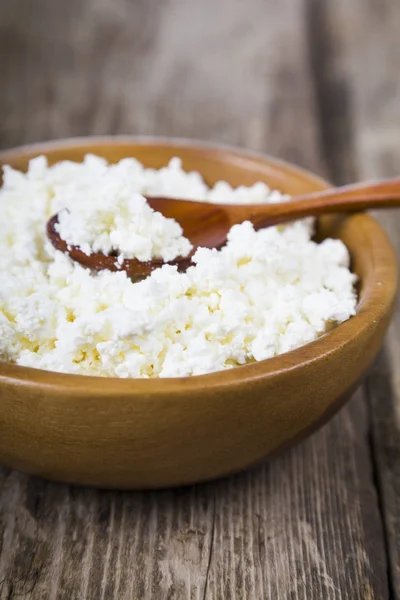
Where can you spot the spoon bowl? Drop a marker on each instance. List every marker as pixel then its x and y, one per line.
pixel 98 261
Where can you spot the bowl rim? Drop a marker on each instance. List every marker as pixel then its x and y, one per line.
pixel 377 298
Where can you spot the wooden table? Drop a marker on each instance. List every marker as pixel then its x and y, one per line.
pixel 313 81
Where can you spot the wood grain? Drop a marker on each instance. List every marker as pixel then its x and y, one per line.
pixel 307 524
pixel 366 39
pixel 302 526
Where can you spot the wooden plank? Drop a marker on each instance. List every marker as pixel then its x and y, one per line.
pixel 302 526
pixel 365 73
pixel 384 400
pixel 305 525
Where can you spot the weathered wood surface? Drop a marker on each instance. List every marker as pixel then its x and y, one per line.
pixel 313 81
pixel 366 66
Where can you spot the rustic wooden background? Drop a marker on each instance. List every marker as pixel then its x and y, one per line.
pixel 313 81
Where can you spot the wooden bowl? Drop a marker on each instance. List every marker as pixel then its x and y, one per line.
pixel 164 432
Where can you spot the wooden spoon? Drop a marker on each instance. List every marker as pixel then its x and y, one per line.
pixel 207 225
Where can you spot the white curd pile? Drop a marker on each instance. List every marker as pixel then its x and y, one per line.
pixel 263 294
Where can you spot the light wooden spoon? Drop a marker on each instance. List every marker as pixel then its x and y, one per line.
pixel 207 225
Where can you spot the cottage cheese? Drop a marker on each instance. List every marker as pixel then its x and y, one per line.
pixel 116 219
pixel 265 293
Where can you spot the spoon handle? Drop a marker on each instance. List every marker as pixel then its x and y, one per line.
pixel 349 198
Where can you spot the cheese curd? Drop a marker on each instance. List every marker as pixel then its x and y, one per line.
pixel 116 219
pixel 263 294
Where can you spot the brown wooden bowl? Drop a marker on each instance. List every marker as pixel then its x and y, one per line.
pixel 164 432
